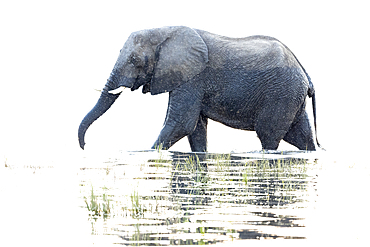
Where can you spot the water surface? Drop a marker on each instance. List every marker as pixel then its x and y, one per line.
pixel 171 198
pixel 179 198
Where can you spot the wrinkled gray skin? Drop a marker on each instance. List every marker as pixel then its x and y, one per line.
pixel 254 83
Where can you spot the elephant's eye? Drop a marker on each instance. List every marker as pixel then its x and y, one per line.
pixel 136 61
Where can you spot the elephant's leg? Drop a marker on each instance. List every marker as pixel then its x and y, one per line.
pixel 170 134
pixel 300 134
pixel 182 115
pixel 198 139
pixel 272 124
pixel 270 137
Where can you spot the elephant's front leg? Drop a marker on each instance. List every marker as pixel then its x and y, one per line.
pixel 198 139
pixel 182 115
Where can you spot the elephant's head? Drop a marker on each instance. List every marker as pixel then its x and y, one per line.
pixel 157 59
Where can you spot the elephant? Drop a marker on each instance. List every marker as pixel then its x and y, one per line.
pixel 254 83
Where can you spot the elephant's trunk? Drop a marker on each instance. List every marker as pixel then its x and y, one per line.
pixel 104 103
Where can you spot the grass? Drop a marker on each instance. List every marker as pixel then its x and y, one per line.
pixel 137 208
pixel 101 205
pixel 222 161
pixel 160 160
pixel 279 179
pixel 97 208
pixel 192 163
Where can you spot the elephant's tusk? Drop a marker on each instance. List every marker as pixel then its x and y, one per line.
pixel 117 90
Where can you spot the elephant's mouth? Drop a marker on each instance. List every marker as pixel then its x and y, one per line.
pixel 116 85
pixel 115 81
pixel 143 81
pixel 127 82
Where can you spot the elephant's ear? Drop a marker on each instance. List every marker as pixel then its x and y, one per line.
pixel 181 54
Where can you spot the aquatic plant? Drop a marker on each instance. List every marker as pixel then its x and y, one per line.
pixel 161 157
pixel 246 177
pixel 97 208
pixel 137 208
pixel 274 182
pixel 192 162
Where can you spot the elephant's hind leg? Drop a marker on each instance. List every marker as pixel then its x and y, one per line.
pixel 270 137
pixel 300 134
pixel 198 139
pixel 272 124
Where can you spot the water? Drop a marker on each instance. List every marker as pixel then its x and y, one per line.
pixel 171 198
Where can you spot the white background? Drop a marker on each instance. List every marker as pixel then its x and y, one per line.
pixel 54 54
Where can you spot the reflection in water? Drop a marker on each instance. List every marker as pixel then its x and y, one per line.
pixel 166 198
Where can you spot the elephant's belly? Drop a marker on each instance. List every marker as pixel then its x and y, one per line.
pixel 232 104
pixel 234 118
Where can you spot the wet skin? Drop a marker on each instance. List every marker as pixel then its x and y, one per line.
pixel 254 83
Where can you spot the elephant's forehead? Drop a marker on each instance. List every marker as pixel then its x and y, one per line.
pixel 129 45
pixel 139 38
pixel 136 43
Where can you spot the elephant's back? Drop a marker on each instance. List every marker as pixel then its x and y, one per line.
pixel 249 53
pixel 255 62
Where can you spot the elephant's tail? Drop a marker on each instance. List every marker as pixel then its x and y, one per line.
pixel 311 94
pixel 314 117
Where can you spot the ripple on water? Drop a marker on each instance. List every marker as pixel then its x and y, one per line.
pixel 186 198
